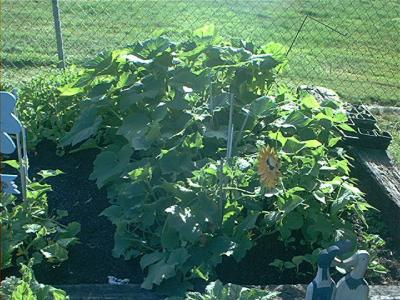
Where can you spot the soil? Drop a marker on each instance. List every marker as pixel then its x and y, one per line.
pixel 389 256
pixel 91 261
pixel 254 268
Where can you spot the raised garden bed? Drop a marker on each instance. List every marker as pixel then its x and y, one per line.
pixel 90 261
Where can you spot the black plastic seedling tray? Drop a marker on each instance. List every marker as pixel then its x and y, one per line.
pixel 361 116
pixel 366 132
pixel 366 137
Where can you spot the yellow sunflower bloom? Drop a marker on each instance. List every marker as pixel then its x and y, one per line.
pixel 268 167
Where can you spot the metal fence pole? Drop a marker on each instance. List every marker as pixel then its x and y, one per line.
pixel 57 28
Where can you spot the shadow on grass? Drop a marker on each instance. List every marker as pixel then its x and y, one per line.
pixel 27 63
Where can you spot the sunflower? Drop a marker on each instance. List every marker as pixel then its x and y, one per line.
pixel 268 167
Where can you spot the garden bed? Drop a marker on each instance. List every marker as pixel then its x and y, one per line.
pixel 90 261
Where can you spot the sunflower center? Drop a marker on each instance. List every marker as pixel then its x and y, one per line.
pixel 271 163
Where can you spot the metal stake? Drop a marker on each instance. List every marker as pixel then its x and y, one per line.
pixel 57 28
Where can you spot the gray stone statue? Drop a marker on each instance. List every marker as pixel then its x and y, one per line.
pixel 353 285
pixel 323 287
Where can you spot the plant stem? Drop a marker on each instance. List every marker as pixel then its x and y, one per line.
pixel 222 194
pixel 241 130
pixel 229 188
pixel 230 129
pixel 115 113
pixel 222 197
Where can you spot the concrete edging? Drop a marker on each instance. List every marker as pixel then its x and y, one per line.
pixel 134 292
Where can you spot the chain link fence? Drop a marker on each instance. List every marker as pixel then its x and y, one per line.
pixel 351 46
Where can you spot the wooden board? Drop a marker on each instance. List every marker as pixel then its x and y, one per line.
pixel 108 292
pixel 379 177
pixel 134 292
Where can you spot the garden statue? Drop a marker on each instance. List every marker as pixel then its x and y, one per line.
pixel 8 185
pixel 353 285
pixel 323 287
pixel 9 124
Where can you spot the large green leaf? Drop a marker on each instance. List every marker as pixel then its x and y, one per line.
pixel 23 292
pixel 150 259
pixel 221 133
pixel 297 119
pixel 113 212
pixel 293 221
pixel 344 197
pixel 309 101
pixel 159 112
pixel 174 162
pixel 183 221
pixel 134 95
pixel 186 77
pixel 157 273
pixel 134 128
pixel 55 252
pixel 71 230
pixel 178 257
pixel 218 102
pixel 86 126
pixel 67 91
pixel 169 237
pixel 263 106
pixel 109 164
pixel 152 47
pixel 207 30
pixel 312 143
pixel 292 203
pixel 249 222
pixel 206 208
pixel 50 173
pixel 266 62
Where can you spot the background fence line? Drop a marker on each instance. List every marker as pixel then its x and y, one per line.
pixel 351 46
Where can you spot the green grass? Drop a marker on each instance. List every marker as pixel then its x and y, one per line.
pixel 391 123
pixel 360 63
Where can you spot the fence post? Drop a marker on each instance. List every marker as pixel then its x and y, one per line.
pixel 57 28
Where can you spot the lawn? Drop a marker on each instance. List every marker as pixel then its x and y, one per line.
pixel 358 57
pixel 391 123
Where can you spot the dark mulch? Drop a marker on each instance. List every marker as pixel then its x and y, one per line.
pixel 255 269
pixel 90 261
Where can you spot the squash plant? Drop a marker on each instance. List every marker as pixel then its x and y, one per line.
pixel 179 127
pixel 41 110
pixel 28 288
pixel 28 230
pixel 217 291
